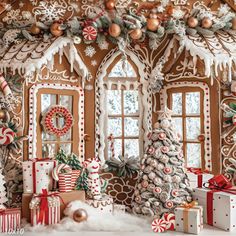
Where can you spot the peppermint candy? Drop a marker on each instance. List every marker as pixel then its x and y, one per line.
pixel 159 225
pixel 169 218
pixel 57 170
pixel 90 33
pixel 6 136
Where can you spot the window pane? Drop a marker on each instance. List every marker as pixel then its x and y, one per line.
pixel 194 155
pixel 66 137
pixel 131 126
pixel 48 150
pixel 114 127
pixel 178 125
pixel 193 128
pixel 66 101
pixel 117 148
pixel 47 100
pixel 123 69
pixel 193 103
pixel 114 102
pixel 132 147
pixel 48 137
pixel 177 103
pixel 131 102
pixel 66 147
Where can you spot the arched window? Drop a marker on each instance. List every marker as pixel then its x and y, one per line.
pixel 122 123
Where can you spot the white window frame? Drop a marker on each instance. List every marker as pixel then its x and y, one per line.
pixel 146 101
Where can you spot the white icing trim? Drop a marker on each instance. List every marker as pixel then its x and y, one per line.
pixel 30 65
pixel 146 99
pixel 206 104
pixel 33 114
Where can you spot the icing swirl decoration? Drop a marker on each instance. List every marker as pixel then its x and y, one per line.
pixel 53 114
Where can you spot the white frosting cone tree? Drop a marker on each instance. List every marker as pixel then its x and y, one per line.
pixel 163 183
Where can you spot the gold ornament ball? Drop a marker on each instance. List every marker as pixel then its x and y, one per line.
pixel 207 23
pixel 55 30
pixel 80 215
pixel 192 22
pixel 35 29
pixel 114 30
pixel 110 5
pixel 152 24
pixel 2 114
pixel 136 34
pixel 234 23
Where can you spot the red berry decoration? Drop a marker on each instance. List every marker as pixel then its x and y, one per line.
pixel 90 33
pixel 159 226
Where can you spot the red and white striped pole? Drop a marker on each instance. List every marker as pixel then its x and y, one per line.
pixel 111 139
pixel 4 86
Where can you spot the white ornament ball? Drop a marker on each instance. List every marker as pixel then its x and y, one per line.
pixel 147 204
pixel 152 175
pixel 165 123
pixel 145 177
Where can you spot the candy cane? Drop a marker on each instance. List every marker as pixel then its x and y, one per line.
pixel 111 139
pixel 56 171
pixel 4 86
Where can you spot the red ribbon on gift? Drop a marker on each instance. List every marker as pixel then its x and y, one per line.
pixel 199 172
pixel 218 183
pixel 44 209
pixel 34 169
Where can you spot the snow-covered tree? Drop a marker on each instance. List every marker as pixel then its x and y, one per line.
pixel 163 184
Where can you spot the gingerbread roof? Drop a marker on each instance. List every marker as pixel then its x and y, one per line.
pixel 217 51
pixel 28 57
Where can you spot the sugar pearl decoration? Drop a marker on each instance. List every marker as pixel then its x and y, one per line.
pixel 206 23
pixel 192 22
pixel 152 175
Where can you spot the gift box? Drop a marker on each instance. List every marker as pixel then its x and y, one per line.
pixel 25 210
pixel 105 204
pixel 68 197
pixel 189 218
pixel 219 207
pixel 10 220
pixel 37 175
pixel 45 208
pixel 197 177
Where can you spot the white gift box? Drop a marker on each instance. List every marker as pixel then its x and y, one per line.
pixel 194 179
pixel 37 175
pixel 221 211
pixel 189 220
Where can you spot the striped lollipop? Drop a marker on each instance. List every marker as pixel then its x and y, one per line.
pixel 6 136
pixel 170 220
pixel 159 225
pixel 57 170
pixel 90 33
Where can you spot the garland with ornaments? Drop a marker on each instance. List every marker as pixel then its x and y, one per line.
pixel 150 21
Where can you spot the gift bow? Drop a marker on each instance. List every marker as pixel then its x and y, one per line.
pixel 44 205
pixel 220 183
pixel 189 205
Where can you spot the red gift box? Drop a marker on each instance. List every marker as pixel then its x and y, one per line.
pixel 10 220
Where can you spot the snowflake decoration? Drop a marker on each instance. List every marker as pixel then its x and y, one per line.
pixel 103 45
pixel 90 51
pixel 94 63
pixel 12 16
pixel 50 11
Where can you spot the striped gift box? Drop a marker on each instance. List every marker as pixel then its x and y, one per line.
pixel 67 181
pixel 53 213
pixel 10 220
pixel 75 176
